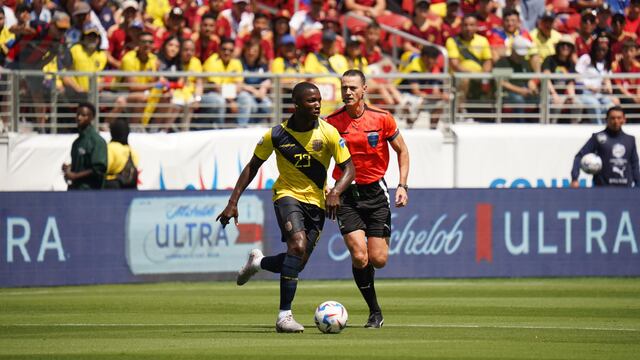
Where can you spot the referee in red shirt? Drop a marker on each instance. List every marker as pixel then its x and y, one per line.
pixel 364 217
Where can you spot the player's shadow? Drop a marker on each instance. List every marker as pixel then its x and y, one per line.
pixel 252 330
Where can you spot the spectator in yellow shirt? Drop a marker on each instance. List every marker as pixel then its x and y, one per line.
pixel 85 56
pixel 470 52
pixel 221 91
pixel 327 61
pixel 288 63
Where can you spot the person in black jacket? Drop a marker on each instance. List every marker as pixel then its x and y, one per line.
pixel 617 151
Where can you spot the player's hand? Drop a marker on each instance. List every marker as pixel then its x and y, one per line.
pixel 231 211
pixel 575 184
pixel 402 198
pixel 332 204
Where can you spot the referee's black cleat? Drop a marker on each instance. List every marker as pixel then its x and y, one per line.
pixel 375 320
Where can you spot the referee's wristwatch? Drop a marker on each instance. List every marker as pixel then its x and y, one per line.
pixel 405 186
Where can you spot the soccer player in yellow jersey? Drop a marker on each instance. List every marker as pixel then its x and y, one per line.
pixel 304 146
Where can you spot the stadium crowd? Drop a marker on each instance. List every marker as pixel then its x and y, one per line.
pixel 592 38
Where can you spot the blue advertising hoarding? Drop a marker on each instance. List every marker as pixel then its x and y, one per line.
pixel 53 238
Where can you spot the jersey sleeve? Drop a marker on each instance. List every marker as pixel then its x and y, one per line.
pixel 264 148
pixel 338 147
pixel 391 130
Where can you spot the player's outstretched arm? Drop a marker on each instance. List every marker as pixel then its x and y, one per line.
pixel 400 147
pixel 246 177
pixel 333 197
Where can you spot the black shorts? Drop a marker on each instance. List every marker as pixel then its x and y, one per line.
pixel 294 216
pixel 366 207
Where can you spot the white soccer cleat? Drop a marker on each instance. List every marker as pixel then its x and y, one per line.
pixel 288 324
pixel 250 268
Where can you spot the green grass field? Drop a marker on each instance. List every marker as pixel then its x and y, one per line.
pixel 438 319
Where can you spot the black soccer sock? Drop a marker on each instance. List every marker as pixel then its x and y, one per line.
pixel 273 263
pixel 291 267
pixel 364 280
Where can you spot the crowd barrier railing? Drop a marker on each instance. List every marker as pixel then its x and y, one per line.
pixel 43 102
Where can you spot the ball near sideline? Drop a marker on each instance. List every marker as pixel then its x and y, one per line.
pixel 331 317
pixel 591 163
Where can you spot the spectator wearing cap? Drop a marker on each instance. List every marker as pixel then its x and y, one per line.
pixel 562 91
pixel 603 20
pixel 628 87
pixel 632 23
pixel 353 54
pixel 288 63
pixel 452 22
pixel 418 92
pixel 597 89
pixel 206 41
pixel 261 33
pixel 83 16
pixel 487 19
pixel 221 91
pixel 518 92
pixel 174 25
pixel 619 36
pixel 501 39
pixel 470 52
pixel 545 38
pixel 236 20
pixel 86 57
pixel 424 26
pixel 123 38
pixel 327 61
pixel 305 21
pixel 585 37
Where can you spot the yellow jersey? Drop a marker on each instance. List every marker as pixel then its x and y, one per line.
pixel 214 64
pixel 130 62
pixel 478 46
pixel 303 159
pixel 85 62
pixel 188 90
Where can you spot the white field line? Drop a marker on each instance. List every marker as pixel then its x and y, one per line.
pixel 434 326
pixel 262 284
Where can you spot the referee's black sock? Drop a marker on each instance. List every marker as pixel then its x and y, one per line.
pixel 273 263
pixel 364 280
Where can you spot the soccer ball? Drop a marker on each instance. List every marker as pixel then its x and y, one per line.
pixel 331 317
pixel 591 163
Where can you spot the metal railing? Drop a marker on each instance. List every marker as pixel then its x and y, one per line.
pixel 36 101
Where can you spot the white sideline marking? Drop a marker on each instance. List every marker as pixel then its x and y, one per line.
pixel 435 326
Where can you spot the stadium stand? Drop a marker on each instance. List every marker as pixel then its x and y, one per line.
pixel 46 71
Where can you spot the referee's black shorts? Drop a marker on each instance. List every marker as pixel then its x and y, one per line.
pixel 294 216
pixel 366 207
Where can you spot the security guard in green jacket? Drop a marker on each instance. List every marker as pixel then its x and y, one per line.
pixel 88 154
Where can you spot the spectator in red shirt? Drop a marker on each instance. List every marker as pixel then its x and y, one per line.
pixel 633 17
pixel 619 35
pixel 371 49
pixel 121 38
pixel 261 33
pixel 501 40
pixel 206 41
pixel 423 25
pixel 452 22
pixel 628 88
pixel 175 25
pixel 236 20
pixel 368 8
pixel 487 19
pixel 585 37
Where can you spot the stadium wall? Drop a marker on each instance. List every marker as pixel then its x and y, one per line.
pixel 95 237
pixel 472 156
